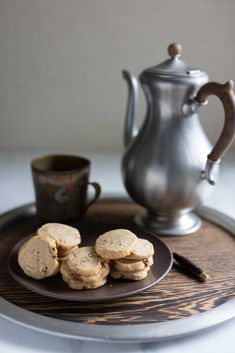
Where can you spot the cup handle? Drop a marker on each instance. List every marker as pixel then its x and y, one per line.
pixel 97 189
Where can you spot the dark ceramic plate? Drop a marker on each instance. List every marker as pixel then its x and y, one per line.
pixel 55 287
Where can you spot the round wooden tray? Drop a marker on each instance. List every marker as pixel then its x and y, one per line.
pixel 176 306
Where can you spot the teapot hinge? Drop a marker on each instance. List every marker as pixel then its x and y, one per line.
pixel 192 107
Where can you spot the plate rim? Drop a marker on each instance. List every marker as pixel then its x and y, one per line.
pixel 119 333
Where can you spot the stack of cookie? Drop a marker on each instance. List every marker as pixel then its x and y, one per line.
pixel 55 248
pixel 84 269
pixel 40 256
pixel 130 257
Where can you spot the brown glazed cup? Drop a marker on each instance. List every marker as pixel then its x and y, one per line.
pixel 61 187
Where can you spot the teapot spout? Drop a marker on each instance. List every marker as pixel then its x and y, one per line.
pixel 131 130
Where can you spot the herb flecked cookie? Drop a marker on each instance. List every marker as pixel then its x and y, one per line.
pixel 144 249
pixel 85 261
pixel 116 244
pixel 66 237
pixel 68 274
pixel 134 276
pixel 38 257
pixel 128 265
pixel 79 285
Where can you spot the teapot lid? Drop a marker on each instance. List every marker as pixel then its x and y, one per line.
pixel 173 66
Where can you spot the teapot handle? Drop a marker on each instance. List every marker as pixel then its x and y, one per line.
pixel 225 93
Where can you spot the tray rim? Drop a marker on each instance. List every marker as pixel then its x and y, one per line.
pixel 129 333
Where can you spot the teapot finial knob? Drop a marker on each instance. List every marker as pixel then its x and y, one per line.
pixel 174 50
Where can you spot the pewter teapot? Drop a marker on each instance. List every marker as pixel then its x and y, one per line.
pixel 169 166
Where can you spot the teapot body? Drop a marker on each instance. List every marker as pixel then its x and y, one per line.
pixel 162 166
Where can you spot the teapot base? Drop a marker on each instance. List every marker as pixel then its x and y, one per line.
pixel 166 225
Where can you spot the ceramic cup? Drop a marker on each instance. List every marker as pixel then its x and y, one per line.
pixel 61 187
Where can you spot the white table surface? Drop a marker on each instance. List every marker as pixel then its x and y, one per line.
pixel 16 189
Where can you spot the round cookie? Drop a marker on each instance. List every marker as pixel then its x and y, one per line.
pixel 116 244
pixel 85 261
pixel 68 275
pixel 38 257
pixel 127 265
pixel 66 237
pixel 135 276
pixel 79 285
pixel 63 253
pixel 148 262
pixel 143 250
pixel 96 278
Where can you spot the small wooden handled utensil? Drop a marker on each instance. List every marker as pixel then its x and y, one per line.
pixel 191 267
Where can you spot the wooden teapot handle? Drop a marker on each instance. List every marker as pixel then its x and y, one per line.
pixel 225 93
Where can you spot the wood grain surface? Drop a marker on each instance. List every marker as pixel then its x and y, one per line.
pixel 177 296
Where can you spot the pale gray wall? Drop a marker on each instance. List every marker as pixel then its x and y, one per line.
pixel 60 64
